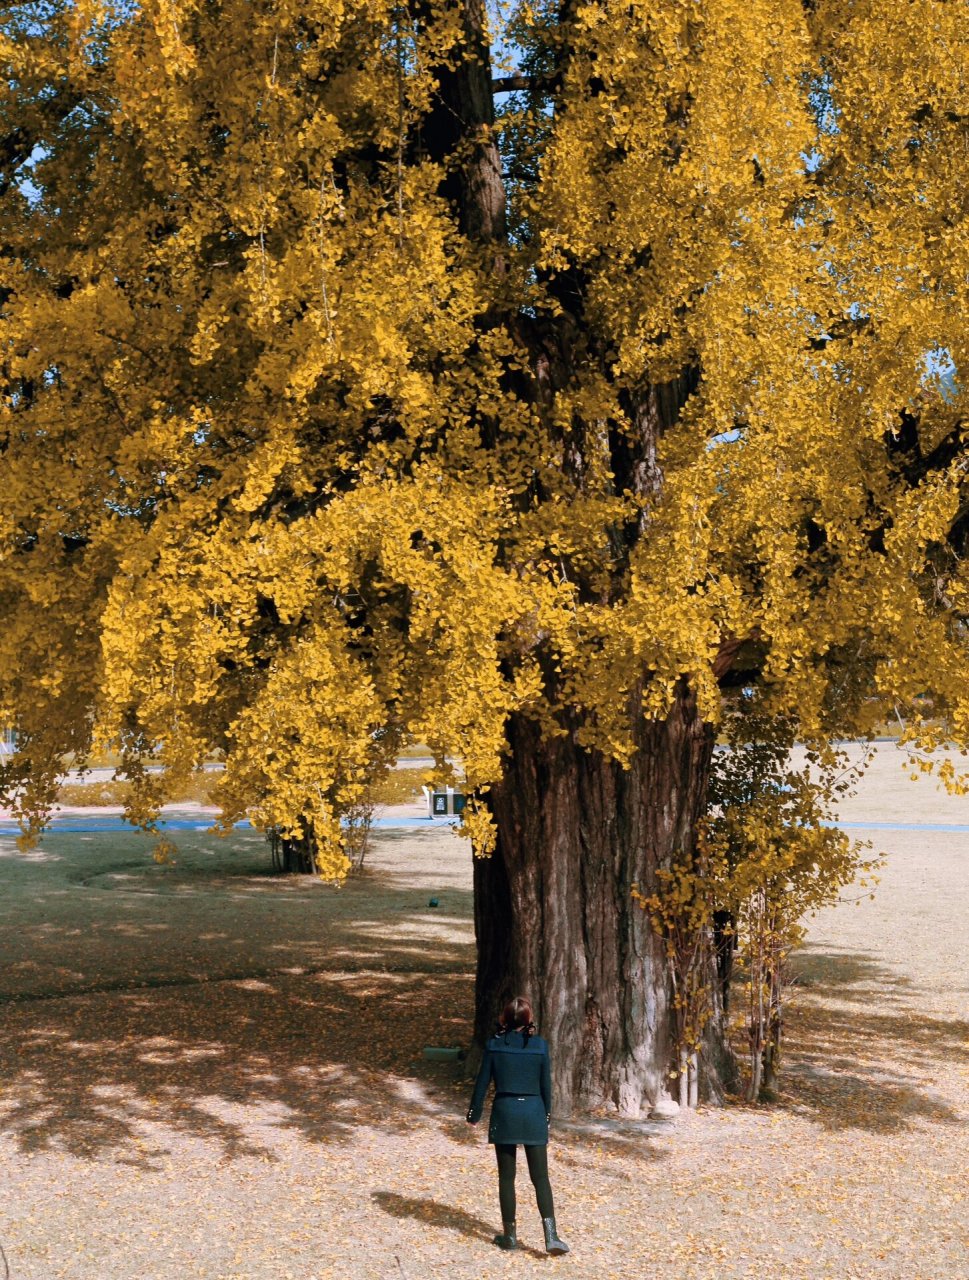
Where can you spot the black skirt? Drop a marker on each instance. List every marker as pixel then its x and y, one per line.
pixel 518 1118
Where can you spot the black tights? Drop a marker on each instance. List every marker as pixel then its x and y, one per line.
pixel 537 1158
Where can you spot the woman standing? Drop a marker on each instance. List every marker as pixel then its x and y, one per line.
pixel 517 1060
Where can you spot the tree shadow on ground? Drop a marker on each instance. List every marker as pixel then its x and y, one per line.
pixel 103 1076
pixel 859 1054
pixel 433 1214
pixel 115 920
pixel 137 1012
pixel 842 974
pixel 240 1064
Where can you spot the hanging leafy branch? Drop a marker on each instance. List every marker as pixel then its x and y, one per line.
pixel 768 855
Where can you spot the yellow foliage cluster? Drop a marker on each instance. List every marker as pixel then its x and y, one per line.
pixel 292 473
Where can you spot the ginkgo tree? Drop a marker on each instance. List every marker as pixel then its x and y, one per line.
pixel 344 407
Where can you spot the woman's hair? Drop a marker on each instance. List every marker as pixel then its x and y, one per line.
pixel 517 1016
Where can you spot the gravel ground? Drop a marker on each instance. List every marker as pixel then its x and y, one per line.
pixel 208 1071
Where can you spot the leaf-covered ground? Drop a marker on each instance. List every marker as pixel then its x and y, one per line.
pixel 209 1071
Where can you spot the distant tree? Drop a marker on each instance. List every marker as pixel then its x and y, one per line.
pixel 342 408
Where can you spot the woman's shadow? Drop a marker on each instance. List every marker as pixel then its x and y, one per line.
pixel 433 1214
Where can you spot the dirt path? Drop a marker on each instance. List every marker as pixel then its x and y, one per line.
pixel 206 1071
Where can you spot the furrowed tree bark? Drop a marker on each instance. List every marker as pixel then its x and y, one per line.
pixel 459 130
pixel 555 919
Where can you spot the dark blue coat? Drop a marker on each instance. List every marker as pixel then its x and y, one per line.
pixel 523 1089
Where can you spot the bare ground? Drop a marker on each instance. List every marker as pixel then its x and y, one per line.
pixel 208 1071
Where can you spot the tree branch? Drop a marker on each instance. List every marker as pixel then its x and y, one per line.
pixel 519 83
pixel 512 84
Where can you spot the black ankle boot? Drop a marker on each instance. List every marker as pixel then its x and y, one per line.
pixel 553 1244
pixel 509 1236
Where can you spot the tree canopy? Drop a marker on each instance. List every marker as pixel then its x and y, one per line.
pixel 342 406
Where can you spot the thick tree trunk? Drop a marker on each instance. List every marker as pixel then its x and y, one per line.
pixel 554 914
